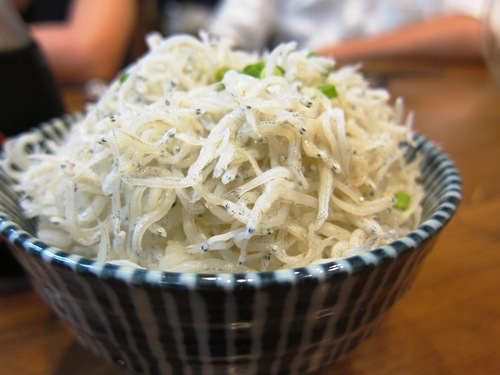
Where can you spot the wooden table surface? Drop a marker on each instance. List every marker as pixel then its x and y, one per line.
pixel 448 323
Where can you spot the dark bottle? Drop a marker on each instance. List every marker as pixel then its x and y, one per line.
pixel 29 95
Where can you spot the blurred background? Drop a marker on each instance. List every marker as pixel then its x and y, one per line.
pixel 56 55
pixel 91 39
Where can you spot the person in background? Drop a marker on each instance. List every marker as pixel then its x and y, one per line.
pixel 185 16
pixel 355 30
pixel 82 39
pixel 29 95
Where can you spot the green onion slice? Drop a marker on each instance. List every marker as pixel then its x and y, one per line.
pixel 278 71
pixel 123 77
pixel 402 200
pixel 254 70
pixel 219 74
pixel 329 90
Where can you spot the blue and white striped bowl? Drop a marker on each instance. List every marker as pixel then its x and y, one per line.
pixel 295 321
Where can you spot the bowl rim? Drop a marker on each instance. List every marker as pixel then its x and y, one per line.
pixel 447 203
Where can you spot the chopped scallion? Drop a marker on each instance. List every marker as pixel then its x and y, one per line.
pixel 402 201
pixel 219 74
pixel 258 70
pixel 123 77
pixel 329 90
pixel 254 70
pixel 278 71
pixel 327 71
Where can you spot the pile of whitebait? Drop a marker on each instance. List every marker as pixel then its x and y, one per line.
pixel 203 158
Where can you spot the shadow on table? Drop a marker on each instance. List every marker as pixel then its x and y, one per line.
pixel 77 360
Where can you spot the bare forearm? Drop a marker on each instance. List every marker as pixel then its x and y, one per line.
pixel 67 57
pixel 450 37
pixel 91 43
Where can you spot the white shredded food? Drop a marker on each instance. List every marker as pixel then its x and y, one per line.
pixel 188 163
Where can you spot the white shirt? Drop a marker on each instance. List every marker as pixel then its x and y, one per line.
pixel 254 24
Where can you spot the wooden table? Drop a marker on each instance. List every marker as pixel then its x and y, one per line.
pixel 448 323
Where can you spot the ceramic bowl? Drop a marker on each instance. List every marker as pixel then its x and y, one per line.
pixel 295 321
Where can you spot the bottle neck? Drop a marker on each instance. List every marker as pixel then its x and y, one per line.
pixel 13 31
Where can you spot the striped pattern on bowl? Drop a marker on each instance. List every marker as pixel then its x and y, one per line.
pixel 295 321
